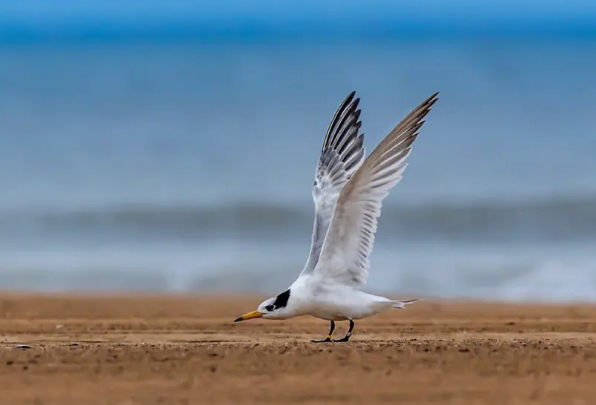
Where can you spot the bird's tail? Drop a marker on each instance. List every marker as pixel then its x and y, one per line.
pixel 402 304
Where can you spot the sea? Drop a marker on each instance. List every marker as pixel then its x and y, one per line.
pixel 187 166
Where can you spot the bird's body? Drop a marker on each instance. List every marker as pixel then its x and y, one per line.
pixel 348 192
pixel 332 301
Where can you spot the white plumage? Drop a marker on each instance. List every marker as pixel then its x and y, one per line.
pixel 348 193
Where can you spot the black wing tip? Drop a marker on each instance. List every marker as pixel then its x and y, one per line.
pixel 432 99
pixel 345 108
pixel 346 116
pixel 348 100
pixel 357 113
pixel 349 106
pixel 424 108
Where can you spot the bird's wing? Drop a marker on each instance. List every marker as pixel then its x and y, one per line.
pixel 345 254
pixel 341 155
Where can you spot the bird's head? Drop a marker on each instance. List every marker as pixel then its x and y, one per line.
pixel 271 308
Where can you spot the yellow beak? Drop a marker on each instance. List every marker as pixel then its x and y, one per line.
pixel 250 315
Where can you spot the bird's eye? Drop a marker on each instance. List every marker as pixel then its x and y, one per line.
pixel 270 308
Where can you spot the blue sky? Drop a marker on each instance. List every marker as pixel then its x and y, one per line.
pixel 301 14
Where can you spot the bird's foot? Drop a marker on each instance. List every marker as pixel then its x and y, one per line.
pixel 326 340
pixel 342 340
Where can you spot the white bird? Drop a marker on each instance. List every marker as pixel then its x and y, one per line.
pixel 348 193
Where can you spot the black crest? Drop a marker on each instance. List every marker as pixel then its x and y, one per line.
pixel 281 301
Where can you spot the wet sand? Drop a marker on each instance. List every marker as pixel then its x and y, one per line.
pixel 126 349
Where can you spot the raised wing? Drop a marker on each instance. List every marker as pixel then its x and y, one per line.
pixel 341 155
pixel 345 254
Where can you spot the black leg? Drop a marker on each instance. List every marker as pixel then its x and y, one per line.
pixel 328 338
pixel 347 337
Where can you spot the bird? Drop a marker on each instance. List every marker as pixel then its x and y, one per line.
pixel 348 193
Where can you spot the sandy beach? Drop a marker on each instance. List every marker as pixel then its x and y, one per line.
pixel 143 349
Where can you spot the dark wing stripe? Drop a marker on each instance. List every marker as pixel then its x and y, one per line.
pixel 337 115
pixel 349 118
pixel 351 164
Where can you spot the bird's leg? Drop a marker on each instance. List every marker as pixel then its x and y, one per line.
pixel 328 338
pixel 347 337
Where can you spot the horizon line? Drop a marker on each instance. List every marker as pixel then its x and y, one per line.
pixel 168 31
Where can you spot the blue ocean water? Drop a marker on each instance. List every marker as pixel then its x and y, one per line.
pixel 189 166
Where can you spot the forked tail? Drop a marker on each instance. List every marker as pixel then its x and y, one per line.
pixel 402 304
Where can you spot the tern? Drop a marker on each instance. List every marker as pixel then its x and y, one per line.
pixel 348 192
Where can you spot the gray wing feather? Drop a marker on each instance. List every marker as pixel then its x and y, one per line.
pixel 344 257
pixel 342 154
